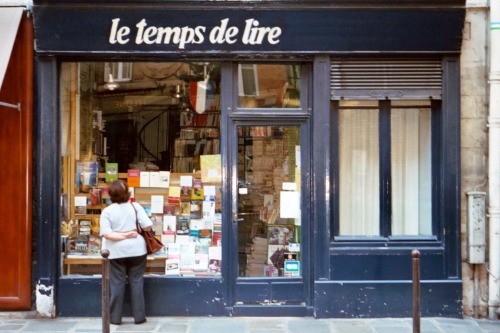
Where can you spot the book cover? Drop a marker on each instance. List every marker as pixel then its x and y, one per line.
pixel 174 195
pixel 80 205
pixel 84 227
pixel 168 238
pixel 173 250
pixel 94 245
pixel 216 238
pixel 200 262
pixel 169 210
pixel 157 220
pixel 185 208
pixel 210 168
pixel 172 266
pixel 134 177
pixel 214 265
pixel 86 176
pixel 144 178
pixel 154 179
pixel 183 225
pixel 186 263
pixel 95 196
pixel 197 193
pixel 208 209
pixel 280 235
pixel 169 224
pixel 157 204
pixel 77 245
pixel 196 209
pixel 95 227
pixel 111 172
pixel 164 179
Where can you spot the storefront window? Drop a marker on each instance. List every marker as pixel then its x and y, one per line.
pixel 384 170
pixel 156 126
pixel 269 201
pixel 359 172
pixel 268 86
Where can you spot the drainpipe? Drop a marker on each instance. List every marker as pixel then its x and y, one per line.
pixel 494 162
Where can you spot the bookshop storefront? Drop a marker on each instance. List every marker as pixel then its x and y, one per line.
pixel 290 156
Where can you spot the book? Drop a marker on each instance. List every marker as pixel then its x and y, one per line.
pixel 168 238
pixel 185 208
pixel 164 179
pixel 196 209
pixel 133 177
pixel 94 245
pixel 144 178
pixel 211 171
pixel 84 226
pixel 216 238
pixel 169 224
pixel 183 225
pixel 95 196
pixel 169 210
pixel 174 195
pixel 157 204
pixel 173 250
pixel 154 179
pixel 200 262
pixel 77 245
pixel 197 189
pixel 86 176
pixel 172 266
pixel 111 172
pixel 80 205
pixel 157 220
pixel 95 227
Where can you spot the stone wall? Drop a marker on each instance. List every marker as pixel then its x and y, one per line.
pixel 474 143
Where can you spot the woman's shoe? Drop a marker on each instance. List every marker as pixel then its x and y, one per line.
pixel 115 323
pixel 141 321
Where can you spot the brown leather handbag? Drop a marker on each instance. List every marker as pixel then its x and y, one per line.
pixel 153 244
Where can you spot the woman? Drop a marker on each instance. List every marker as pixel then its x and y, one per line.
pixel 127 251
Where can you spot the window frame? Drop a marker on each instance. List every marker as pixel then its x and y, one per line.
pixel 385 238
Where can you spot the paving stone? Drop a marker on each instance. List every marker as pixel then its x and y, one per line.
pixel 308 325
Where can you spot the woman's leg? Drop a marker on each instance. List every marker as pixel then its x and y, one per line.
pixel 136 268
pixel 117 282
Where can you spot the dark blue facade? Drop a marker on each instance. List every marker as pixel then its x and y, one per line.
pixel 342 278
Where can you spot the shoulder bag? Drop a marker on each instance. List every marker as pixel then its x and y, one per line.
pixel 153 244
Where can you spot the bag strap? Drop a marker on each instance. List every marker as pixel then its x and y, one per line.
pixel 136 220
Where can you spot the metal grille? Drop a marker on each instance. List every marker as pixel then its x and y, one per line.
pixel 392 79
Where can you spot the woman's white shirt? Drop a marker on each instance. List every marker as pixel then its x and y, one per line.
pixel 120 217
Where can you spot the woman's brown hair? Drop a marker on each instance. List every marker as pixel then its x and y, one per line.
pixel 118 191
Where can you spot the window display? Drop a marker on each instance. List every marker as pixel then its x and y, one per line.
pixel 156 127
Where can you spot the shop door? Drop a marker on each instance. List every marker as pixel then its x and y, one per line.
pixel 16 111
pixel 270 247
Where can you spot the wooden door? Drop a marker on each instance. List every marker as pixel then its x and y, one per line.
pixel 15 174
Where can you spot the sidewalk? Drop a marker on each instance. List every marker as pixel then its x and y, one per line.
pixel 12 322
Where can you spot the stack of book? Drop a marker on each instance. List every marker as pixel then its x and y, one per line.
pixel 257 258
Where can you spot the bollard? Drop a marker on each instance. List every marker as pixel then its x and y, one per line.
pixel 105 291
pixel 416 290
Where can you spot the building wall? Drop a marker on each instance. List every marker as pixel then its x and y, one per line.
pixel 474 143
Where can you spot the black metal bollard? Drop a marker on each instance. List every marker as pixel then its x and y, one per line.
pixel 105 291
pixel 416 290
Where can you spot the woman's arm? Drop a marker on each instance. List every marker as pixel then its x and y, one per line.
pixel 117 236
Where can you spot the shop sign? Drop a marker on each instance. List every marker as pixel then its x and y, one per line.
pixel 162 30
pixel 142 33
